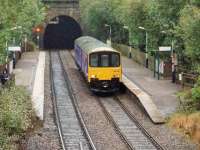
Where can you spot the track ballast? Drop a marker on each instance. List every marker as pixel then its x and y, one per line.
pixel 71 127
pixel 130 130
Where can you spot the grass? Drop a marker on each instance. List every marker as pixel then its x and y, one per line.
pixel 188 124
pixel 187 118
pixel 16 115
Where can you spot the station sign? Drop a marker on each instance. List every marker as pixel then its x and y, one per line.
pixel 165 48
pixel 14 48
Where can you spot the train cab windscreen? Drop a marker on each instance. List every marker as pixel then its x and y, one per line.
pixel 104 60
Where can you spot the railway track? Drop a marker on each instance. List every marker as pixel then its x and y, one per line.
pixel 127 126
pixel 71 127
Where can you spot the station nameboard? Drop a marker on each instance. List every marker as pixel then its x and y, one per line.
pixel 165 48
pixel 14 48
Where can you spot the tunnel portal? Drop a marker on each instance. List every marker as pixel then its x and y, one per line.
pixel 61 32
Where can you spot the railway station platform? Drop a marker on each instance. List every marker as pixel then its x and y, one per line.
pixel 161 92
pixel 29 72
pixel 25 70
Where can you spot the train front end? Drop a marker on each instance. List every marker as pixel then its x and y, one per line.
pixel 104 71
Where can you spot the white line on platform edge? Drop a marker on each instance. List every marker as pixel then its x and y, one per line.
pixel 38 88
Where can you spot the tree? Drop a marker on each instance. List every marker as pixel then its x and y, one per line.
pixel 188 30
pixel 15 13
pixel 179 20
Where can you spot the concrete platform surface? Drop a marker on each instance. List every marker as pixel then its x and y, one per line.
pixel 162 92
pixel 29 72
pixel 145 100
pixel 25 70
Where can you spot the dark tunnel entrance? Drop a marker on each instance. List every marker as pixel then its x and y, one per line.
pixel 61 32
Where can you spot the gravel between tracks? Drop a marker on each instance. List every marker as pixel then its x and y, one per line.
pixel 45 138
pixel 167 137
pixel 101 131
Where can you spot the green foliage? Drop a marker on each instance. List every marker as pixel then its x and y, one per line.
pixel 15 113
pixel 187 105
pixel 4 140
pixel 190 99
pixel 189 31
pixel 179 19
pixel 196 92
pixel 15 109
pixel 15 13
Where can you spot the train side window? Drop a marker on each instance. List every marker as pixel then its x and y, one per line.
pixel 104 60
pixel 94 60
pixel 115 61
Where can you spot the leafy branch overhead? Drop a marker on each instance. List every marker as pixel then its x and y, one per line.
pixel 180 21
pixel 15 13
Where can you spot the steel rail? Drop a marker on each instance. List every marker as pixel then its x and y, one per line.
pixel 117 129
pixel 138 124
pixel 132 117
pixel 53 97
pixel 75 103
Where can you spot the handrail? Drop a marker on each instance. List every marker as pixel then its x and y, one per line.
pixel 189 79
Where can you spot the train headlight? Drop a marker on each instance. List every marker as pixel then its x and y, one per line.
pixel 116 76
pixel 93 76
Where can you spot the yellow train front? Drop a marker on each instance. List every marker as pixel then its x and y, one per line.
pixel 100 64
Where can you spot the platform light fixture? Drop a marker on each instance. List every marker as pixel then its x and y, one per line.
pixel 110 31
pixel 14 28
pixel 142 28
pixel 146 49
pixel 129 39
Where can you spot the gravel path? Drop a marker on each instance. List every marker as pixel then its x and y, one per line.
pixel 101 131
pixel 168 138
pixel 45 138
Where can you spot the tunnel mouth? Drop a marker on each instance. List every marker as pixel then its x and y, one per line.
pixel 61 33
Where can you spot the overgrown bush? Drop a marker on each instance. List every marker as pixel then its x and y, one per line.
pixel 196 92
pixel 15 113
pixel 164 20
pixel 4 141
pixel 190 99
pixel 187 119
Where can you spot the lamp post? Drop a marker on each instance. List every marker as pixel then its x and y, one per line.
pixel 129 39
pixel 146 49
pixel 110 31
pixel 14 57
pixel 15 28
pixel 12 29
pixel 25 43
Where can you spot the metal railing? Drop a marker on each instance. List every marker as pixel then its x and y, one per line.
pixel 186 78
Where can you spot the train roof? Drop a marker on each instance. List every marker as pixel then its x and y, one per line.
pixel 90 44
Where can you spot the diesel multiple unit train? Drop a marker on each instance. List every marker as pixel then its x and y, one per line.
pixel 100 64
